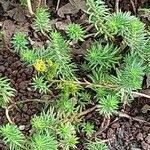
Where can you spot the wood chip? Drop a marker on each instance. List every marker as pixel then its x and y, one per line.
pixel 66 10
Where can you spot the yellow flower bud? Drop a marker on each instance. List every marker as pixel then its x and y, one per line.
pixel 40 65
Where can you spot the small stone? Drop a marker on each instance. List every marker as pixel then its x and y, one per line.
pixel 10 60
pixel 135 148
pixel 115 125
pixel 146 128
pixel 22 85
pixel 16 64
pixel 147 139
pixel 1 57
pixel 139 136
pixel 137 125
pixel 21 127
pixel 145 146
pixel 2 68
pixel 29 89
pixel 14 73
pixel 110 133
pixel 6 64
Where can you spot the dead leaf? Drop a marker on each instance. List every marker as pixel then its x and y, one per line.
pixel 80 4
pixel 17 14
pixel 67 9
pixel 61 25
pixel 8 29
pixel 145 108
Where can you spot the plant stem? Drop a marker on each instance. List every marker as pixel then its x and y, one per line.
pixel 87 111
pixel 30 7
pixel 58 3
pixel 141 94
pixel 117 5
pixel 86 83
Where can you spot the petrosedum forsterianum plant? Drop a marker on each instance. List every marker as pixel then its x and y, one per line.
pixel 97 11
pixel 59 54
pixel 52 123
pixel 43 141
pixel 102 56
pixel 88 129
pixel 6 91
pixel 19 42
pixel 97 145
pixel 75 32
pixel 68 136
pixel 118 23
pixel 108 105
pixel 13 137
pixel 40 84
pixel 42 20
pixel 130 76
pixel 129 27
pixel 28 56
pixel 44 121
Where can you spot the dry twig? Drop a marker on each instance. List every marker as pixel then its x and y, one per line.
pixel 30 7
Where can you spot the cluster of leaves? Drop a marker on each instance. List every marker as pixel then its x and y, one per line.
pixel 6 91
pixel 50 132
pixel 110 72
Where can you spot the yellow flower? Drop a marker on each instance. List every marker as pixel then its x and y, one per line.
pixel 40 65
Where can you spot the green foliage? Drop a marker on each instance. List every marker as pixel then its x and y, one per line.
pixel 101 56
pixel 13 137
pixel 67 134
pixel 108 105
pixel 130 77
pixel 65 130
pixel 46 120
pixel 65 105
pixel 28 56
pixel 88 129
pixel 99 76
pixel 97 145
pixel 97 11
pixel 6 91
pixel 23 2
pixel 42 20
pixel 43 142
pixel 75 32
pixel 84 98
pixel 40 84
pixel 130 28
pixel 68 88
pixel 19 42
pixel 58 52
pixel 52 69
pixel 70 142
pixel 119 22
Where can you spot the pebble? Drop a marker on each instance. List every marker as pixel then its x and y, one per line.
pixel 146 128
pixel 22 85
pixel 145 146
pixel 147 139
pixel 21 127
pixel 2 68
pixel 139 136
pixel 115 125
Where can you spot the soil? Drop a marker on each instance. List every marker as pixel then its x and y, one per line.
pixel 122 133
